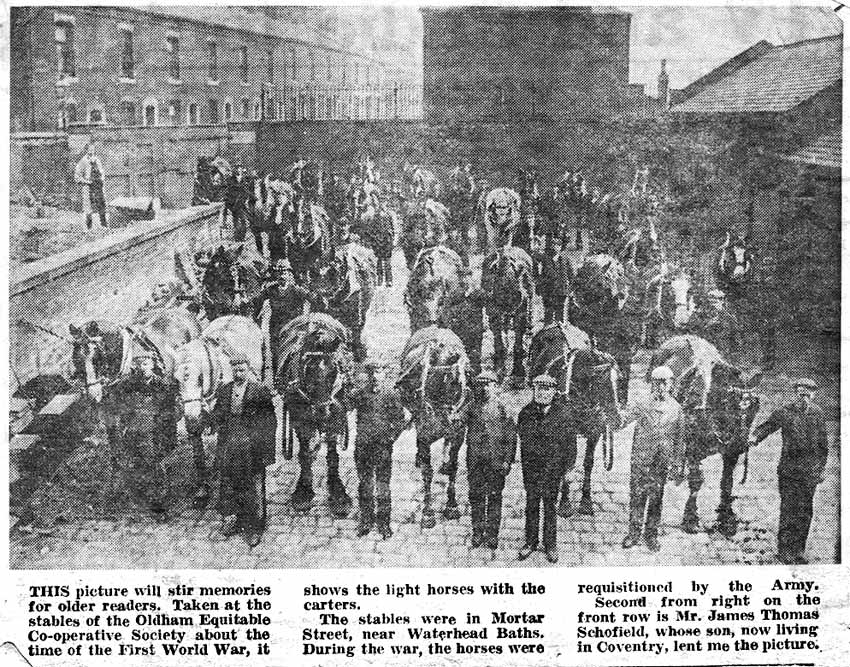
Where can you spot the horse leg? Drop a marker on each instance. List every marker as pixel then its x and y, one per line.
pixel 388 271
pixel 202 488
pixel 518 372
pixel 498 346
pixel 304 494
pixel 449 468
pixel 690 518
pixel 380 271
pixel 624 362
pixel 586 504
pixel 727 522
pixel 338 499
pixel 565 507
pixel 424 460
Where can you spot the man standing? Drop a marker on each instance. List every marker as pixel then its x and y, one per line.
pixel 801 467
pixel 547 439
pixel 657 450
pixel 245 419
pixel 236 200
pixel 380 420
pixel 90 175
pixel 141 425
pixel 718 325
pixel 490 452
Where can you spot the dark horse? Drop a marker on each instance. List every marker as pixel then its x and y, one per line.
pixel 432 384
pixel 311 242
pixel 507 279
pixel 719 409
pixel 436 280
pixel 314 362
pixel 588 377
pixel 424 225
pixel 232 278
pixel 344 284
pixel 529 209
pixel 600 292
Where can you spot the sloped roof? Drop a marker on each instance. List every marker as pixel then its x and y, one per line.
pixel 781 79
pixel 825 151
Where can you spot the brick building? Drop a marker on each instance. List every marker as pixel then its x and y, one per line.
pixel 176 66
pixel 497 63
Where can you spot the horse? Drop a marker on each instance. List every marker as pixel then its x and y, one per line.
pixel 311 242
pixel 436 279
pixel 433 387
pixel 600 293
pixel 277 210
pixel 719 408
pixel 734 267
pixel 202 366
pixel 425 224
pixel 312 377
pixel 502 217
pixel 103 351
pixel 529 209
pixel 421 183
pixel 508 282
pixel 587 376
pixel 345 284
pixel 232 278
pixel 670 304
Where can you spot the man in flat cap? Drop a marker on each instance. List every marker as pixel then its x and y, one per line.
pixel 381 418
pixel 238 192
pixel 658 451
pixel 245 419
pixel 141 422
pixel 801 467
pixel 490 452
pixel 547 440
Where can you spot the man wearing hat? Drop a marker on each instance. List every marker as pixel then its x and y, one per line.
pixel 658 450
pixel 380 420
pixel 286 300
pixel 490 452
pixel 801 467
pixel 718 325
pixel 547 440
pixel 245 420
pixel 141 421
pixel 238 191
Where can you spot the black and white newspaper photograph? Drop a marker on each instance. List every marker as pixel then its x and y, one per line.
pixel 488 334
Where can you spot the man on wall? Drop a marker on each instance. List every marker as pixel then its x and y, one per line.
pixel 90 175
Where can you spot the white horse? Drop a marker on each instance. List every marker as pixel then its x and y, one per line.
pixel 501 216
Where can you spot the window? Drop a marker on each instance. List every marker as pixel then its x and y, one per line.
pixel 150 114
pixel 213 112
pixel 128 113
pixel 192 114
pixel 173 48
pixel 270 73
pixel 66 66
pixel 96 115
pixel 243 64
pixel 71 117
pixel 246 108
pixel 174 112
pixel 228 111
pixel 212 51
pixel 128 68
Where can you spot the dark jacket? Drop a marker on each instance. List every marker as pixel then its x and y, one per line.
pixel 547 444
pixel 137 407
pixel 285 302
pixel 491 433
pixel 256 424
pixel 804 444
pixel 380 415
pixel 238 192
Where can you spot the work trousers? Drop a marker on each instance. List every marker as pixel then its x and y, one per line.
pixel 533 499
pixel 795 515
pixel 646 494
pixel 246 498
pixel 374 462
pixel 486 483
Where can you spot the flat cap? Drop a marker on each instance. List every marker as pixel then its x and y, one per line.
pixel 238 358
pixel 487 376
pixel 717 294
pixel 661 373
pixel 806 382
pixel 545 380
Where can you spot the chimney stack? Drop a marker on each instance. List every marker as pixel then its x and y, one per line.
pixel 664 86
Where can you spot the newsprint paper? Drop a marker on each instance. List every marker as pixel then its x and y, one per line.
pixel 424 335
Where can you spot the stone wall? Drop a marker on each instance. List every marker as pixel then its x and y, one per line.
pixel 108 279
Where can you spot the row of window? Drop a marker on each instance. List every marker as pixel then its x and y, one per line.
pixel 66 62
pixel 398 103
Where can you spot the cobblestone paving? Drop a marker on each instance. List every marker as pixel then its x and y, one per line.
pixel 315 539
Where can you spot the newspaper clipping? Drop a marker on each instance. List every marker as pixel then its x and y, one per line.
pixel 398 334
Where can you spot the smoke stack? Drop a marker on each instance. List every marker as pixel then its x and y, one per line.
pixel 664 86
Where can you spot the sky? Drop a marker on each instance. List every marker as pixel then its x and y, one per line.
pixel 695 40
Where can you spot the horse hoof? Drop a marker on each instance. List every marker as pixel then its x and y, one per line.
pixel 428 519
pixel 302 499
pixel 565 510
pixel 340 508
pixel 585 507
pixel 691 527
pixel 451 512
pixel 445 469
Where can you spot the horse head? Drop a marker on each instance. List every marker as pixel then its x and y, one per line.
pixel 682 288
pixel 194 373
pixel 731 406
pixel 100 352
pixel 735 260
pixel 320 374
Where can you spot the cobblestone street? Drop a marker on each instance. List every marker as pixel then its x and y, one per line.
pixel 315 539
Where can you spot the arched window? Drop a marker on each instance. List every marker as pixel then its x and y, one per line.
pixel 192 114
pixel 128 113
pixel 97 114
pixel 150 109
pixel 228 110
pixel 246 109
pixel 174 112
pixel 70 113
